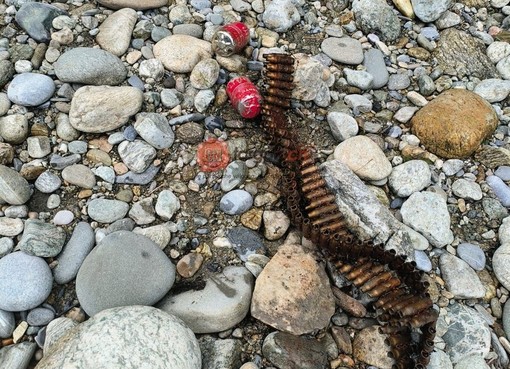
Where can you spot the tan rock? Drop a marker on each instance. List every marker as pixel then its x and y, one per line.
pixel 292 293
pixel 454 124
pixel 134 4
pixel 180 53
pixel 252 218
pixel 189 264
pixel 364 157
pixel 405 7
pixel 369 347
pixel 115 32
pixel 276 223
pixel 98 109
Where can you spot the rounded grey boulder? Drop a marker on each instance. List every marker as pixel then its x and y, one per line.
pixel 131 337
pixel 124 269
pixel 90 67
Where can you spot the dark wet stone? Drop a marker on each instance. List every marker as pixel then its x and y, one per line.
pixel 6 72
pixel 285 350
pixel 245 242
pixel 36 18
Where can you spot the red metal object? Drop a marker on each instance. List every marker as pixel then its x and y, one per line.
pixel 245 97
pixel 212 155
pixel 230 39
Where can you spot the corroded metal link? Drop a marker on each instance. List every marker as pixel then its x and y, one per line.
pixel 400 292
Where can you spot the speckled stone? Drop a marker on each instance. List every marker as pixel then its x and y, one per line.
pixel 132 337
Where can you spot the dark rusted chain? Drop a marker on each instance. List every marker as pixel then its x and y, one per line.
pixel 402 303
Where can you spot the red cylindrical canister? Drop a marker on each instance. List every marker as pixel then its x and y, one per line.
pixel 244 96
pixel 230 39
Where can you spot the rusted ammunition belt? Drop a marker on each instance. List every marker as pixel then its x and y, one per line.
pixel 402 303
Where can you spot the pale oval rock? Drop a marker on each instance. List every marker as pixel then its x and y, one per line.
pixel 14 189
pixel 97 109
pixel 10 227
pixel 133 4
pixel 501 264
pixel 191 51
pixel 131 337
pixel 14 128
pixel 115 32
pixel 220 305
pixel 293 299
pixel 364 158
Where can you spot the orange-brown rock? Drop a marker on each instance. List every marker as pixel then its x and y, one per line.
pixel 292 293
pixel 455 123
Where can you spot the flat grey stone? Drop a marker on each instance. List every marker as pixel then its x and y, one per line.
pixel 154 129
pixel 409 177
pixel 344 50
pixel 42 239
pixel 220 305
pixel 375 65
pixel 40 316
pixel 472 254
pixel 119 269
pixel 107 211
pixel 48 182
pixel 430 10
pixel 79 175
pixel 460 278
pixel 137 155
pixel 74 252
pixel 132 337
pixel 90 66
pixel 427 213
pixel 167 204
pixel 466 189
pixel 26 281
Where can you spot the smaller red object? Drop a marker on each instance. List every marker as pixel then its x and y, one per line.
pixel 212 155
pixel 230 39
pixel 244 96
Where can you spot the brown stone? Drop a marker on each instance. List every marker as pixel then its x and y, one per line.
pixel 7 154
pixel 342 339
pixel 252 218
pixel 189 264
pixel 369 347
pixel 292 293
pixel 418 53
pixel 349 304
pixel 455 123
pixel 96 156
